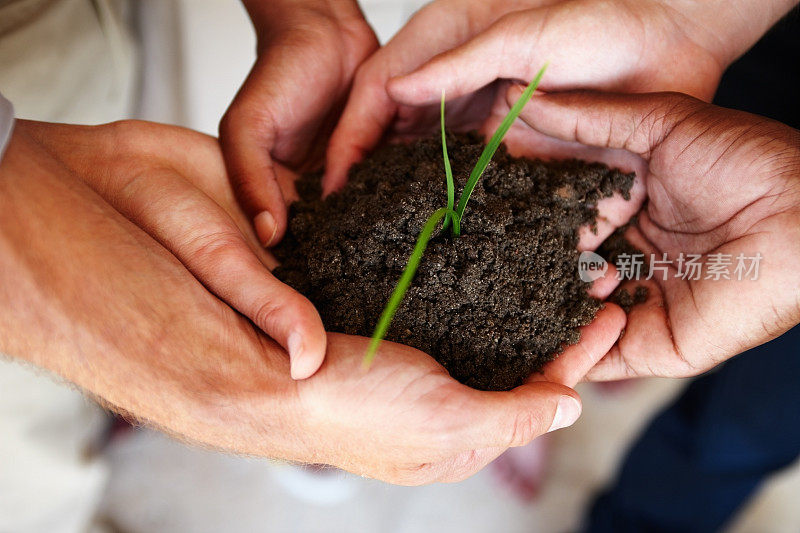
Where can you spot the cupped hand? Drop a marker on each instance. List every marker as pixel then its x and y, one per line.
pixel 406 421
pixel 308 51
pixel 98 298
pixel 468 46
pixel 720 184
pixel 171 183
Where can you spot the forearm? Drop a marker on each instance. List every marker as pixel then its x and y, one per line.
pixel 87 295
pixel 67 304
pixel 270 15
pixel 728 28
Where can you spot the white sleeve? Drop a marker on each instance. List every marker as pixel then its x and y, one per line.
pixel 6 123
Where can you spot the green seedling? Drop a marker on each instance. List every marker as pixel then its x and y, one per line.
pixel 446 214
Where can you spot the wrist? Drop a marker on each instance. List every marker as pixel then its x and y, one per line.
pixel 270 16
pixel 249 403
pixel 90 297
pixel 726 28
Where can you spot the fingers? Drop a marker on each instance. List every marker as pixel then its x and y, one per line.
pixel 647 346
pixel 596 340
pixel 518 44
pixel 474 64
pixel 639 351
pixel 603 287
pixel 207 241
pixel 516 417
pixel 246 144
pixel 370 110
pixel 365 117
pixel 636 123
pixel 274 117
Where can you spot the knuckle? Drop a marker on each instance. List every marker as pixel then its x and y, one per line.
pixel 525 427
pixel 414 476
pixel 360 40
pixel 129 134
pixel 232 119
pixel 215 247
pixel 266 313
pixel 463 466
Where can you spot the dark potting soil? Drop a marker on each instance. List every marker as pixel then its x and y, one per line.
pixel 493 305
pixel 614 246
pixel 623 297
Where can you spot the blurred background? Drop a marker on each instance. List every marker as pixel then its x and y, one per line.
pixel 194 55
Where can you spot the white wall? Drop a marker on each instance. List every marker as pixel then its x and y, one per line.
pixel 218 49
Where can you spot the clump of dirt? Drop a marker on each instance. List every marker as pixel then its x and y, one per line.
pixel 493 305
pixel 611 249
pixel 623 298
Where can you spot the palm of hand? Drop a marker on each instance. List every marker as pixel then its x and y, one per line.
pixel 715 186
pixel 717 182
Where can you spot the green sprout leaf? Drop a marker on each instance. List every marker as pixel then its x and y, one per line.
pixel 494 142
pixel 451 190
pixel 405 280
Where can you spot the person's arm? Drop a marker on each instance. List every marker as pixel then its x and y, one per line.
pixel 97 256
pixel 308 52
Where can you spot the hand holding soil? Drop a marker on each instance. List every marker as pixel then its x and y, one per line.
pixel 171 183
pixel 307 55
pixel 131 323
pixel 469 47
pixel 408 422
pixel 717 181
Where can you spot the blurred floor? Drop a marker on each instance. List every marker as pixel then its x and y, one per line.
pixel 161 485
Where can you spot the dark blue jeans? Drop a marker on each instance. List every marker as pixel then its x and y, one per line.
pixel 704 455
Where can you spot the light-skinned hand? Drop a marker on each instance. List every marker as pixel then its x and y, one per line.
pixel 106 254
pixel 168 181
pixel 470 47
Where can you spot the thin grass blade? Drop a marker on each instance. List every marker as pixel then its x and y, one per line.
pixel 451 189
pixel 494 142
pixel 405 280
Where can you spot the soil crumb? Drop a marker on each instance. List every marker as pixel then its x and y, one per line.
pixel 493 305
pixel 611 249
pixel 623 298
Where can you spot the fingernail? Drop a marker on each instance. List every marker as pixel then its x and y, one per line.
pixel 266 228
pixel 295 345
pixel 567 412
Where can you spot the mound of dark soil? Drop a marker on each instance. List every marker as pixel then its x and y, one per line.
pixel 493 305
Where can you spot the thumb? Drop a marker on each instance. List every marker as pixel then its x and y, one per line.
pixel 252 175
pixel 638 123
pixel 516 417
